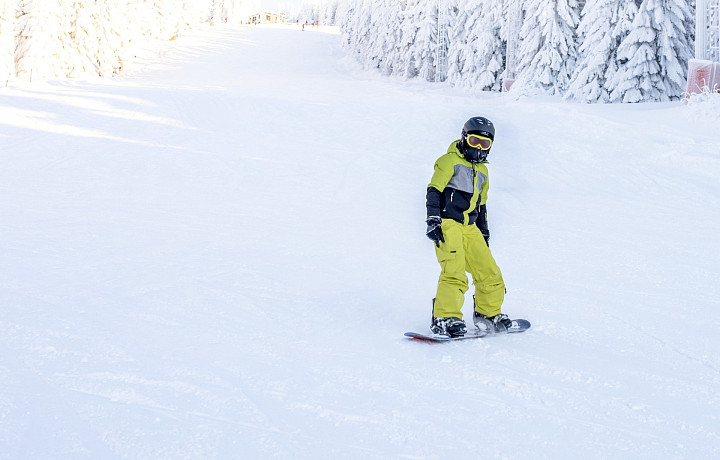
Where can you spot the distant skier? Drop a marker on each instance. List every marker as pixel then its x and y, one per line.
pixel 457 223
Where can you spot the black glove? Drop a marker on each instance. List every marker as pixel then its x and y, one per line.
pixel 434 231
pixel 486 235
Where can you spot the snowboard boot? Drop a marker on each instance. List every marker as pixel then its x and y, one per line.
pixel 453 327
pixel 498 323
pixel 450 326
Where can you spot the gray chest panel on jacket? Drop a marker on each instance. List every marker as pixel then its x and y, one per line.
pixel 462 179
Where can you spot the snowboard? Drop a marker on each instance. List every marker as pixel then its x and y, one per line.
pixel 519 325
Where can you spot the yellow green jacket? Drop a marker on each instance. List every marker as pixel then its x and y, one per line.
pixel 458 189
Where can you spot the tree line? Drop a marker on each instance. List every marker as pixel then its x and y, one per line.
pixel 589 51
pixel 41 39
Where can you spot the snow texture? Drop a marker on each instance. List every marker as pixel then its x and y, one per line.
pixel 217 257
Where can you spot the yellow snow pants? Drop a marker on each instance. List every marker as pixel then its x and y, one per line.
pixel 465 250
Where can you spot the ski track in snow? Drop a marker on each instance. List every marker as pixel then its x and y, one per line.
pixel 216 257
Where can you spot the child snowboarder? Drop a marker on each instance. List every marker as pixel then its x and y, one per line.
pixel 457 224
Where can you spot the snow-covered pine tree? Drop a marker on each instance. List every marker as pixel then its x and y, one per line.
pixel 425 45
pixel 675 48
pixel 308 12
pixel 690 21
pixel 379 43
pixel 617 53
pixel 76 60
pixel 328 12
pixel 621 29
pixel 457 41
pixel 107 58
pixel 395 36
pixel 38 34
pixel 7 42
pixel 489 47
pixel 475 55
pixel 60 38
pixel 359 26
pixel 410 26
pixel 345 15
pixel 656 52
pixel 548 51
pixel 387 28
pixel 638 78
pixel 463 37
pixel 95 44
pixel 530 43
pixel 598 50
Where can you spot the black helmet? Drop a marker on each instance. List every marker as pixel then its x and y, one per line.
pixel 483 127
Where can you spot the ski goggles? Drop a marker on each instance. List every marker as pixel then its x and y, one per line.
pixel 477 141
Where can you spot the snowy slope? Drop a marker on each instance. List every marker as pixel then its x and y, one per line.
pixel 217 258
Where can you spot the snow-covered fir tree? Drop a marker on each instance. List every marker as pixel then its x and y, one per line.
pixel 458 49
pixel 490 48
pixel 69 38
pixel 359 25
pixel 675 48
pixel 409 25
pixel 383 52
pixel 344 15
pixel 394 35
pixel 602 63
pixel 76 56
pixel 600 37
pixel 377 52
pixel 95 41
pixel 620 30
pixel 548 50
pixel 426 39
pixel 7 42
pixel 476 50
pixel 617 53
pixel 639 77
pixel 306 13
pixel 38 33
pixel 328 12
pixel 655 54
pixel 321 11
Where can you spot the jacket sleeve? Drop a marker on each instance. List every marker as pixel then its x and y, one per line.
pixel 484 188
pixel 482 222
pixel 432 201
pixel 443 172
pixel 441 176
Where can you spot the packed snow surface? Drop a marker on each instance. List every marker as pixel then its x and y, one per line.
pixel 217 257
